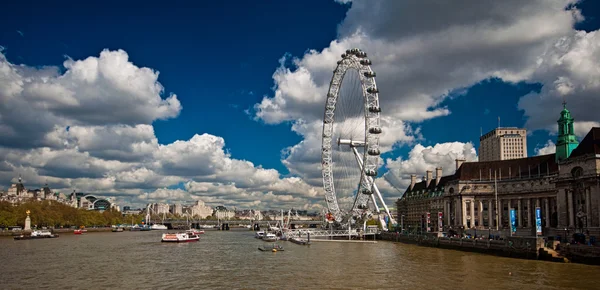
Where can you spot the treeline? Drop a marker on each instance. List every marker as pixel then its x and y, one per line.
pixel 54 214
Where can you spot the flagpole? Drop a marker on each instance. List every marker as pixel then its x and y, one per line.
pixel 496 193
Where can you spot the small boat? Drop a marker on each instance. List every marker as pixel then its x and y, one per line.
pixel 179 237
pixel 269 237
pixel 299 241
pixel 195 232
pixel 271 248
pixel 79 231
pixel 41 234
pixel 117 230
pixel 259 234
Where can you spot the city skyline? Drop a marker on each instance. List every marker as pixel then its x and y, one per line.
pixel 229 111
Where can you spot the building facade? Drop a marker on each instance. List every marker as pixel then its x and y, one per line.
pixel 563 188
pixel 503 144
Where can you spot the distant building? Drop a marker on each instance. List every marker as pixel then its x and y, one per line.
pixel 223 213
pixel 503 144
pixel 176 209
pixel 199 209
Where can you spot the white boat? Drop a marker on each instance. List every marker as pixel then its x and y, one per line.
pixel 179 238
pixel 269 238
pixel 259 234
pixel 195 232
pixel 159 227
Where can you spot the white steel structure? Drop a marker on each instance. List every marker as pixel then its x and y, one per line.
pixel 350 148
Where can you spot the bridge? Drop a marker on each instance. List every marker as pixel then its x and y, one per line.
pixel 261 223
pixel 352 233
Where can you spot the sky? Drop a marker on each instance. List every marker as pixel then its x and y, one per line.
pixel 223 101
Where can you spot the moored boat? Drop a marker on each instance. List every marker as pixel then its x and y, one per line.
pixel 179 237
pixel 159 227
pixel 269 237
pixel 117 230
pixel 259 234
pixel 79 231
pixel 38 234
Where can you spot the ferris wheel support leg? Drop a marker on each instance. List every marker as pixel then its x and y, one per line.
pixel 387 210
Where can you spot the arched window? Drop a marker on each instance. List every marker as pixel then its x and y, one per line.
pixel 577 172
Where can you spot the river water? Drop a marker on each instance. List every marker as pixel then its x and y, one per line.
pixel 231 260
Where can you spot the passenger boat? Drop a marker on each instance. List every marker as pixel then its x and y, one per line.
pixel 41 234
pixel 195 232
pixel 159 227
pixel 179 237
pixel 269 237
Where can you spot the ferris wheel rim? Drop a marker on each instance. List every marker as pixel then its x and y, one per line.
pixel 353 59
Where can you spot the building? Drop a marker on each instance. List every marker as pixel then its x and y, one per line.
pixel 503 144
pixel 176 209
pixel 223 213
pixel 565 186
pixel 199 209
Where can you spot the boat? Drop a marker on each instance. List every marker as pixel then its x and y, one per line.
pixel 159 227
pixel 269 237
pixel 299 241
pixel 38 234
pixel 259 234
pixel 195 232
pixel 271 248
pixel 117 230
pixel 179 237
pixel 79 231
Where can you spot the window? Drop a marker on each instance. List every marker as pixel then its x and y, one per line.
pixel 577 172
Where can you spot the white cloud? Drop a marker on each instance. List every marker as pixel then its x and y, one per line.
pixel 545 149
pixel 103 91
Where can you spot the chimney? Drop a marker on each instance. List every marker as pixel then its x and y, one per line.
pixel 429 177
pixel 413 180
pixel 459 162
pixel 438 175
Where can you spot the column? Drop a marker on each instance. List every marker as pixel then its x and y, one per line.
pixel 520 213
pixel 570 208
pixel 588 206
pixel 480 213
pixel 490 214
pixel 499 209
pixel 547 212
pixel 464 212
pixel 472 213
pixel 457 212
pixel 529 213
pixel 447 211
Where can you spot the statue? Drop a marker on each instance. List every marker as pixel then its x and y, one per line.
pixel 27 222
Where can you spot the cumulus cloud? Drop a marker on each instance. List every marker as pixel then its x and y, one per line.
pixel 104 90
pixel 88 128
pixel 545 149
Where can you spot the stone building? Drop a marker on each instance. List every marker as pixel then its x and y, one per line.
pixel 479 195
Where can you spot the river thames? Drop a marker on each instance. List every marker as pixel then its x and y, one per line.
pixel 231 260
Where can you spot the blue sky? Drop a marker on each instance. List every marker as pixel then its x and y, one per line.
pixel 223 60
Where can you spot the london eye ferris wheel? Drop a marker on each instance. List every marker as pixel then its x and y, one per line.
pixel 350 155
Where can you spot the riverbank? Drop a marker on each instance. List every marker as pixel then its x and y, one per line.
pixel 515 247
pixel 6 233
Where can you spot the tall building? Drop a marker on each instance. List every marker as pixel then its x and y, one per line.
pixel 566 141
pixel 503 144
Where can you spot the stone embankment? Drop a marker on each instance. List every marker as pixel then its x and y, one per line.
pixel 517 247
